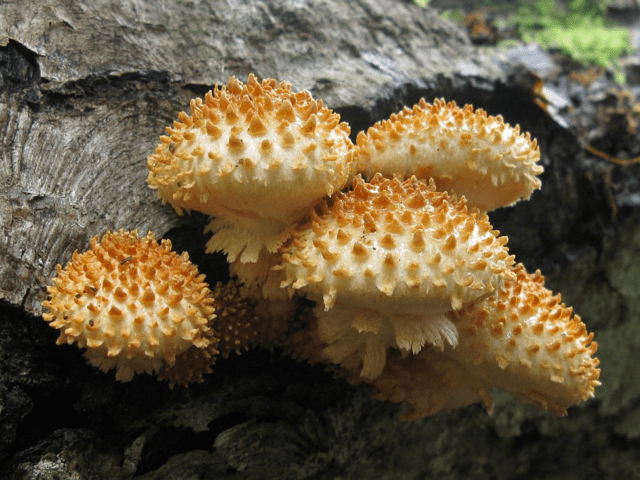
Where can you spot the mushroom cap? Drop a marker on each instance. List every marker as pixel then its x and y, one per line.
pixel 133 303
pixel 465 151
pixel 236 323
pixel 403 240
pixel 521 339
pixel 386 260
pixel 526 342
pixel 244 320
pixel 256 156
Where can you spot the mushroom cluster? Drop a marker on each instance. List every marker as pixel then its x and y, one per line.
pixel 413 290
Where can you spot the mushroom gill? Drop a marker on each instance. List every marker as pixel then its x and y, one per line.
pixel 429 382
pixel 254 156
pixel 465 151
pixel 384 262
pixel 132 303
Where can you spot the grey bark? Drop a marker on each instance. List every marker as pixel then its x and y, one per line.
pixel 85 92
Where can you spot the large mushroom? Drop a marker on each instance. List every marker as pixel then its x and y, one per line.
pixel 384 262
pixel 254 156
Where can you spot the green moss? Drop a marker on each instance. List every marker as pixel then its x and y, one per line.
pixel 456 15
pixel 580 30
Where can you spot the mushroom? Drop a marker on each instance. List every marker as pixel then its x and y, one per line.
pixel 529 344
pixel 190 366
pixel 236 322
pixel 384 262
pixel 465 151
pixel 254 156
pixel 522 340
pixel 133 303
pixel 243 321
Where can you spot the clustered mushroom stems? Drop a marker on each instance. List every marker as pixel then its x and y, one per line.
pixel 414 292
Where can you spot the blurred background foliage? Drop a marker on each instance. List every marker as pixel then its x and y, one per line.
pixel 578 28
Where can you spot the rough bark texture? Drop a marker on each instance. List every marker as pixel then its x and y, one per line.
pixel 85 92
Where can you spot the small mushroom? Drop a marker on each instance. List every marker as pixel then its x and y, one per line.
pixel 132 303
pixel 190 366
pixel 241 322
pixel 236 323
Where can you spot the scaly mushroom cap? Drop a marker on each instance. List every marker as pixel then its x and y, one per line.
pixel 527 343
pixel 236 323
pixel 132 303
pixel 387 260
pixel 481 157
pixel 190 366
pixel 243 321
pixel 256 156
pixel 521 339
